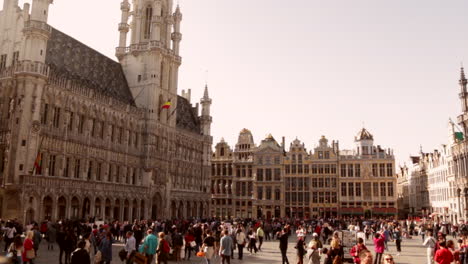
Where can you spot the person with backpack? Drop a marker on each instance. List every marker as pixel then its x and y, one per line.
pixel 150 245
pixel 163 249
pixel 430 244
pixel 177 243
pixel 397 237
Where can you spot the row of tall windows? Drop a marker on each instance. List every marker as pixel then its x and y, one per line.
pixel 268 174
pixel 221 169
pixel 325 182
pixel 97 128
pixel 352 189
pixel 268 194
pixel 324 197
pixel 382 169
pixel 76 168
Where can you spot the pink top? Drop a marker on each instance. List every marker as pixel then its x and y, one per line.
pixel 379 244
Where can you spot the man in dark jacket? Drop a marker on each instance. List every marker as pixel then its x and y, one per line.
pixel 80 255
pixel 283 237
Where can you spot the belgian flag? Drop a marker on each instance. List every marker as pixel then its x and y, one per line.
pixel 38 164
pixel 166 105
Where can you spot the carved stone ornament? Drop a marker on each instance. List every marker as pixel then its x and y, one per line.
pixel 36 126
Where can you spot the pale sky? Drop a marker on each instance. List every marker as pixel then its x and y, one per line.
pixel 308 68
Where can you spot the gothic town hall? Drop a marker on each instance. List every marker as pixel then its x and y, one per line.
pixel 83 136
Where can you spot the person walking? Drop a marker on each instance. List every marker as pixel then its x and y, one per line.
pixel 51 237
pixel 189 240
pixel 225 250
pixel 283 245
pixel 130 247
pixel 356 250
pixel 149 245
pixel 313 252
pixel 106 248
pixel 9 234
pixel 37 239
pixel 16 249
pixel 177 243
pixel 379 247
pixel 300 250
pixel 80 255
pixel 163 249
pixel 397 237
pixel 240 239
pixel 260 235
pixel 208 246
pixel 443 255
pixel 28 253
pixel 253 241
pixel 430 244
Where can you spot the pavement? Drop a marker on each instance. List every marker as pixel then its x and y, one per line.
pixel 412 253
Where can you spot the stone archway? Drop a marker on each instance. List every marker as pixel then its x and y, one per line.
pixel 156 209
pixel 134 210
pixel 195 210
pixel 62 207
pixel 107 209
pixel 201 210
pixel 126 210
pixel 117 210
pixel 180 210
pixel 142 210
pixel 86 208
pixel 97 207
pixel 48 206
pixel 30 214
pixel 188 210
pixel 174 209
pixel 75 208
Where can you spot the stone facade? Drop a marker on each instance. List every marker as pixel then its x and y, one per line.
pixel 301 184
pixel 84 136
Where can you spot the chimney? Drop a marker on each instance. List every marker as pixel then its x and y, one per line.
pixel 283 144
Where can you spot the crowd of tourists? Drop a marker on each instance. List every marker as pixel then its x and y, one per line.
pixel 316 241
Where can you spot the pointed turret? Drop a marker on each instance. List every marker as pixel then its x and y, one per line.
pixel 463 82
pixel 176 35
pixel 206 119
pixel 463 93
pixel 124 28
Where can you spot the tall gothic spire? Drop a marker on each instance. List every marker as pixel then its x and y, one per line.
pixel 463 80
pixel 205 94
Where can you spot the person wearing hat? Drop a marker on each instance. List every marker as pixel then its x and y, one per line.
pixel 316 239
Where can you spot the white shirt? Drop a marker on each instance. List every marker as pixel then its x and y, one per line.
pixel 240 237
pixel 131 244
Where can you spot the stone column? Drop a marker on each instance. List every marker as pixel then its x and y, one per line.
pixel 103 209
pixel 121 211
pixel 130 211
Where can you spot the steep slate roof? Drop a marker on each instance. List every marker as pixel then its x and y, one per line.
pixel 76 61
pixel 187 117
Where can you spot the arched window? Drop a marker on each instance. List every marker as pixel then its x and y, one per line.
pixel 147 25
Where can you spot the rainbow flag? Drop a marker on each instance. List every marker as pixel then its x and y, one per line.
pixel 38 164
pixel 166 105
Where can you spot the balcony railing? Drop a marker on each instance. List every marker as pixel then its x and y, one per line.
pixel 39 25
pixel 42 182
pixel 28 67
